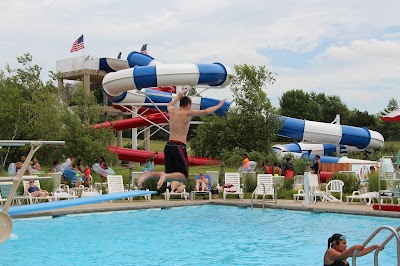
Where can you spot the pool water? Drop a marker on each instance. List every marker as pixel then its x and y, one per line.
pixel 195 235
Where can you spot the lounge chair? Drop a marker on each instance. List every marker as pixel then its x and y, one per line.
pixel 314 189
pixel 298 182
pixel 184 194
pixel 2 200
pixel 133 185
pixel 115 184
pixel 31 198
pixel 91 192
pixel 194 191
pixel 64 192
pixel 5 188
pixel 214 179
pixel 299 194
pixel 265 187
pixel 368 197
pixel 232 185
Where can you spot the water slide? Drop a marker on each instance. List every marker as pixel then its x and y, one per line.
pixel 142 80
pixel 311 133
pixel 141 156
pixel 124 85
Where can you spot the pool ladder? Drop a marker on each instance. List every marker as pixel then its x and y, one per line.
pixel 395 233
pixel 269 187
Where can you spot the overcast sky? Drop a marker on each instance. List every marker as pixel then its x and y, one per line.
pixel 345 48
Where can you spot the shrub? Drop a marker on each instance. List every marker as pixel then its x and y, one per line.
pixel 373 182
pixel 234 158
pixel 288 184
pixel 285 194
pixel 351 182
pixel 299 165
pixel 250 182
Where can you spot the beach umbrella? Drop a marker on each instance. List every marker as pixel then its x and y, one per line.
pixel 393 116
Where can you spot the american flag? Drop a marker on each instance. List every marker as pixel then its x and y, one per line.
pixel 78 44
pixel 144 49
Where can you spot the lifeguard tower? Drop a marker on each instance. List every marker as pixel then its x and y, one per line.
pixel 86 69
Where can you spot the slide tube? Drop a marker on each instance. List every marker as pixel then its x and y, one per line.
pixel 321 132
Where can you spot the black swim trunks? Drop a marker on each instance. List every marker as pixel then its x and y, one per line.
pixel 175 158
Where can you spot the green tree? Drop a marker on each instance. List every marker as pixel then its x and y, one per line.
pixel 250 125
pixel 361 119
pixel 392 105
pixel 299 104
pixel 331 106
pixel 389 130
pixel 31 109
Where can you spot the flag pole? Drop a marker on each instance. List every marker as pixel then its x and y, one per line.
pixel 83 51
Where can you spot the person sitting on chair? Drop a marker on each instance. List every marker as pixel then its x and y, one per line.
pixel 201 183
pixel 35 190
pixel 176 186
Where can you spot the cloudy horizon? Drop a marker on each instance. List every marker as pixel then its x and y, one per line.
pixel 348 49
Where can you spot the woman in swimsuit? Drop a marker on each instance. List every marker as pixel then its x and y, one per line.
pixel 35 190
pixel 337 252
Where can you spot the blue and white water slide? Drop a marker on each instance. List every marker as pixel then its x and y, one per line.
pixel 144 72
pixel 314 133
pixel 127 78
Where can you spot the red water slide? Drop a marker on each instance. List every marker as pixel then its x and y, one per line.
pixel 129 123
pixel 141 156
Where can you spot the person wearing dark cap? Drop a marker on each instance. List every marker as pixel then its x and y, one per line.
pixel 119 55
pixel 337 252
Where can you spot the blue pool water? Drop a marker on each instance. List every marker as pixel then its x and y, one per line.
pixel 196 235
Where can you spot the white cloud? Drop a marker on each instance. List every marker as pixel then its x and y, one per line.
pixel 358 61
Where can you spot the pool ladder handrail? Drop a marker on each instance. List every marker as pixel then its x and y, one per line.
pixel 254 192
pixel 395 232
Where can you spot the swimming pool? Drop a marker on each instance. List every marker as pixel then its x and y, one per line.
pixel 195 235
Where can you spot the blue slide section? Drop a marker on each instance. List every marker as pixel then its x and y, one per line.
pixel 292 128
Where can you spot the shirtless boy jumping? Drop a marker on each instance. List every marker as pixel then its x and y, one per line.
pixel 175 155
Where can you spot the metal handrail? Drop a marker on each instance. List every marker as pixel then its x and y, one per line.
pixel 271 186
pixel 254 192
pixel 380 228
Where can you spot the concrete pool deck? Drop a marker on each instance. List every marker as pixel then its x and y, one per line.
pixel 124 205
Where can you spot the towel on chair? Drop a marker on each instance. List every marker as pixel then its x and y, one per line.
pixel 229 187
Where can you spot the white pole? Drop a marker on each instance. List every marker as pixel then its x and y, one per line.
pixel 134 130
pixel 337 119
pixel 306 201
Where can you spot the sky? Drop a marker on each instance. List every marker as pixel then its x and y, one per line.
pixel 346 48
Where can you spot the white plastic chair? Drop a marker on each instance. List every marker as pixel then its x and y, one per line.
pixel 367 198
pixel 207 192
pixel 2 200
pixel 31 198
pixel 133 185
pixel 115 184
pixel 298 182
pixel 214 179
pixel 91 192
pixel 265 186
pixel 333 186
pixel 234 180
pixel 300 194
pixel 314 188
pixel 168 194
